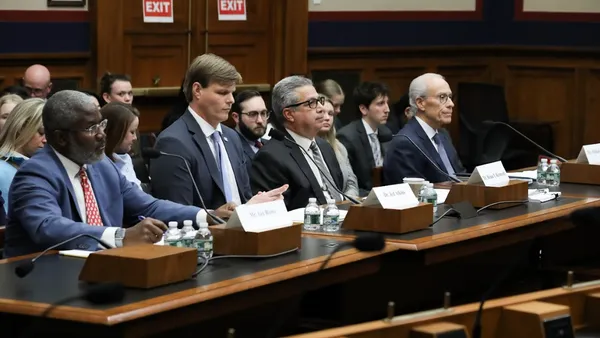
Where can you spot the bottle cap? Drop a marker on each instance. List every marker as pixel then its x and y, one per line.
pixel 203 225
pixel 544 159
pixel 312 200
pixel 553 161
pixel 172 224
pixel 187 222
pixel 330 201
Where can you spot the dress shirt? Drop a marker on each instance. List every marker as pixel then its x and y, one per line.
pixel 125 165
pixel 208 130
pixel 428 130
pixel 370 131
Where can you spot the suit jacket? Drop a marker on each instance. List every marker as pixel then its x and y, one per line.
pixel 43 208
pixel 248 152
pixel 170 179
pixel 2 211
pixel 404 160
pixel 282 162
pixel 354 137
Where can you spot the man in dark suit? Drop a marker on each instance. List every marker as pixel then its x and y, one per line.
pixel 213 150
pixel 366 138
pixel 250 114
pixel 70 188
pixel 295 102
pixel 431 99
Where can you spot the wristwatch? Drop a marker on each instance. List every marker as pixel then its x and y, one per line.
pixel 119 235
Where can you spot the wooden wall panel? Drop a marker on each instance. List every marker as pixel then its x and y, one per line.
pixel 542 84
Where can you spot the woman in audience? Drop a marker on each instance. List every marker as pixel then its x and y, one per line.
pixel 7 104
pixel 333 91
pixel 116 87
pixel 122 121
pixel 22 135
pixel 328 133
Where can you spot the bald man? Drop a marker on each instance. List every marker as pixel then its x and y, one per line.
pixel 37 81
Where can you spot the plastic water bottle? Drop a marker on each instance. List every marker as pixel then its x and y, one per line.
pixel 312 215
pixel 173 236
pixel 203 242
pixel 553 174
pixel 541 172
pixel 331 217
pixel 188 233
pixel 428 195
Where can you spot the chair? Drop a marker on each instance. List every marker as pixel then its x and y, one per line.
pixel 479 102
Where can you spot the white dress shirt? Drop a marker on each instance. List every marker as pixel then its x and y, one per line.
pixel 428 130
pixel 125 165
pixel 305 144
pixel 370 131
pixel 208 130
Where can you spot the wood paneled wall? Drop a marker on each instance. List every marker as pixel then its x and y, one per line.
pixel 542 84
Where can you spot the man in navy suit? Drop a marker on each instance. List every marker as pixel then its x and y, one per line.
pixel 214 151
pixel 70 188
pixel 431 99
pixel 250 115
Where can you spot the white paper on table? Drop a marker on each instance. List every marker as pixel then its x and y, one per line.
pixel 75 253
pixel 530 174
pixel 297 215
pixel 441 195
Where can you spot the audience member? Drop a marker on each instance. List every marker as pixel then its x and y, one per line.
pixel 180 107
pixel 17 90
pixel 400 113
pixel 334 92
pixel 250 114
pixel 366 138
pixel 431 99
pixel 327 132
pixel 116 87
pixel 7 104
pixel 295 100
pixel 37 81
pixel 22 135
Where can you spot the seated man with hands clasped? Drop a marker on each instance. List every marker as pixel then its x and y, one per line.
pixel 70 188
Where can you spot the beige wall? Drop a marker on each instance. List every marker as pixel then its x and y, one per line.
pixel 391 5
pixel 562 6
pixel 33 5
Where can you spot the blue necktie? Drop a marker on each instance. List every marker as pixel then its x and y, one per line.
pixel 443 154
pixel 216 138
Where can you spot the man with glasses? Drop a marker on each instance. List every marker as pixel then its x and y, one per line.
pixel 250 114
pixel 430 98
pixel 36 81
pixel 70 188
pixel 303 160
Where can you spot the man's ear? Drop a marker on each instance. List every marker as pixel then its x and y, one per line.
pixel 288 115
pixel 364 110
pixel 236 117
pixel 420 102
pixel 106 97
pixel 61 138
pixel 196 90
pixel 50 86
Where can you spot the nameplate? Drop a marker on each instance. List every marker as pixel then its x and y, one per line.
pixel 397 196
pixel 260 217
pixel 590 154
pixel 491 175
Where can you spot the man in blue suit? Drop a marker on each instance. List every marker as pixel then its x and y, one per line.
pixel 69 188
pixel 431 100
pixel 214 151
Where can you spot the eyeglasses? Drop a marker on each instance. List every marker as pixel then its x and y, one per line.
pixel 35 91
pixel 253 115
pixel 443 98
pixel 95 129
pixel 311 103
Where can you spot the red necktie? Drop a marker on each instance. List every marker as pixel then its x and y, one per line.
pixel 258 144
pixel 91 207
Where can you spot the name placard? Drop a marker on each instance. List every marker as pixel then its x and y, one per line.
pixel 260 217
pixel 590 154
pixel 397 196
pixel 491 175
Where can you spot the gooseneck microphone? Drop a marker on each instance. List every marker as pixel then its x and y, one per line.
pixel 452 178
pixel 26 267
pixel 154 153
pixel 280 136
pixel 488 122
pixel 368 242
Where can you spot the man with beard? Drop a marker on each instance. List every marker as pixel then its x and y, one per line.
pixel 250 114
pixel 70 188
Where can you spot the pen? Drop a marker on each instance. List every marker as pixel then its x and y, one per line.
pixel 141 218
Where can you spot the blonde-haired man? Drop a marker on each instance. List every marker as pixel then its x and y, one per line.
pixel 214 151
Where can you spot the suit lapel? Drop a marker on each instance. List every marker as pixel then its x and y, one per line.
pixel 364 140
pixel 298 156
pixel 330 162
pixel 246 146
pixel 450 151
pixel 200 140
pixel 426 143
pixel 50 152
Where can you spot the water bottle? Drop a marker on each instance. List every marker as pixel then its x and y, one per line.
pixel 541 172
pixel 553 174
pixel 203 242
pixel 331 217
pixel 429 195
pixel 173 236
pixel 188 233
pixel 312 215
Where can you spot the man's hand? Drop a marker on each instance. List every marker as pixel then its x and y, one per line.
pixel 269 196
pixel 222 212
pixel 148 231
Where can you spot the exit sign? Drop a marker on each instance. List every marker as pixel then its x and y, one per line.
pixel 158 11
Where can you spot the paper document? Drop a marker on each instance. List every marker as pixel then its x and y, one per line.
pixel 542 195
pixel 297 215
pixel 441 195
pixel 75 253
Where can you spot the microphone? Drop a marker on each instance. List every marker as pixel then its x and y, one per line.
pixel 367 242
pixel 26 267
pixel 429 159
pixel 525 137
pixel 154 153
pixel 280 136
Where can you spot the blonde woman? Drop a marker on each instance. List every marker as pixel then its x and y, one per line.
pixel 22 135
pixel 327 132
pixel 7 104
pixel 334 92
